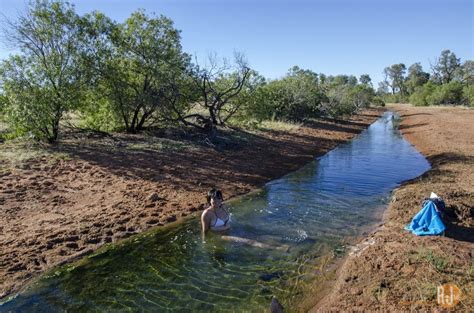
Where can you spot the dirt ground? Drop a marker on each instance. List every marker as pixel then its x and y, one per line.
pixel 61 202
pixel 393 270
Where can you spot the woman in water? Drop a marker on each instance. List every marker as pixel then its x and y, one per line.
pixel 215 217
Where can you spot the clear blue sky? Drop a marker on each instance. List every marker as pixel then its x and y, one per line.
pixel 332 37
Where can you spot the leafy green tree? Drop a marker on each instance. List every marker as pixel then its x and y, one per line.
pixel 253 99
pixel 138 62
pixel 48 78
pixel 421 94
pixel 416 77
pixel 445 67
pixel 347 99
pixel 395 78
pixel 465 73
pixel 343 80
pixel 450 93
pixel 365 79
pixel 297 96
pixel 468 95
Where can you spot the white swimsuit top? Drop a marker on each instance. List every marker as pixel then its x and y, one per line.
pixel 219 222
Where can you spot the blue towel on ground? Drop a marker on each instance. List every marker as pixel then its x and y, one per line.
pixel 427 221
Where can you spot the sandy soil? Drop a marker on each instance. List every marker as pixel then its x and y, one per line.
pixel 393 270
pixel 86 192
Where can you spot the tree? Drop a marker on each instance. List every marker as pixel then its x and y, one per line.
pixel 422 93
pixel 343 80
pixel 48 78
pixel 395 77
pixel 137 63
pixel 465 73
pixel 217 84
pixel 252 99
pixel 416 77
pixel 365 79
pixel 383 87
pixel 445 67
pixel 450 93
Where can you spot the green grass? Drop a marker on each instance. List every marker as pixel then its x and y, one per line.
pixel 160 145
pixel 268 125
pixel 439 263
pixel 280 126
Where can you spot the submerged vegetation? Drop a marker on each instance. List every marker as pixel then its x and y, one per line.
pixel 128 76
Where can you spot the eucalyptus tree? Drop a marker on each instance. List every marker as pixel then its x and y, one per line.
pixel 465 73
pixel 395 77
pixel 445 67
pixel 365 80
pixel 416 77
pixel 48 77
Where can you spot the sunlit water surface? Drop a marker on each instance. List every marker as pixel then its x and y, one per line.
pixel 313 211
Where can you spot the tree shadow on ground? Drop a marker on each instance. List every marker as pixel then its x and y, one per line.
pixel 188 160
pixel 402 127
pixel 459 202
pixel 415 114
pixel 450 157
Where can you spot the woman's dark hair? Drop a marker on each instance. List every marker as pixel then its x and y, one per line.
pixel 213 194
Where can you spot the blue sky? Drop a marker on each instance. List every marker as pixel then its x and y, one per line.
pixel 332 37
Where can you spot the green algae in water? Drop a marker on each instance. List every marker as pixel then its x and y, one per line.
pixel 313 211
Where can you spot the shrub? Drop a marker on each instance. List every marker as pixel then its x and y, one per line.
pixel 295 97
pixel 468 95
pixel 395 98
pixel 450 93
pixel 419 97
pixel 378 101
pixel 98 114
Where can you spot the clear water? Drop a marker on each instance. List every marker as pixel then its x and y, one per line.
pixel 312 211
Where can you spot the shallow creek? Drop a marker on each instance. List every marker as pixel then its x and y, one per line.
pixel 300 219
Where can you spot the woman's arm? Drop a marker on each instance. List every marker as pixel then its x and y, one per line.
pixel 204 222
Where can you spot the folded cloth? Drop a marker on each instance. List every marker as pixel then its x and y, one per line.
pixel 427 221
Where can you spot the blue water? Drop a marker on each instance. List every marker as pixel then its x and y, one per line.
pixel 304 217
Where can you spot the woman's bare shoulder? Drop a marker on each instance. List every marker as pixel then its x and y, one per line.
pixel 205 212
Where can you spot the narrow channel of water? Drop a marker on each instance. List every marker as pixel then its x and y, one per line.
pixel 311 212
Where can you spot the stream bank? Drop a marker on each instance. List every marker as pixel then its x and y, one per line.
pixel 400 271
pixel 301 221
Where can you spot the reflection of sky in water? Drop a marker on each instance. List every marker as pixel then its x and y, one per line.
pixel 310 210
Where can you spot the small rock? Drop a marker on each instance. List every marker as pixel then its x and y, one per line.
pixel 152 221
pixel 171 218
pixel 154 197
pixel 275 306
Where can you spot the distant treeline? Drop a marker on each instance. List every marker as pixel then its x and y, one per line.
pixel 94 73
pixel 450 82
pixel 109 76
